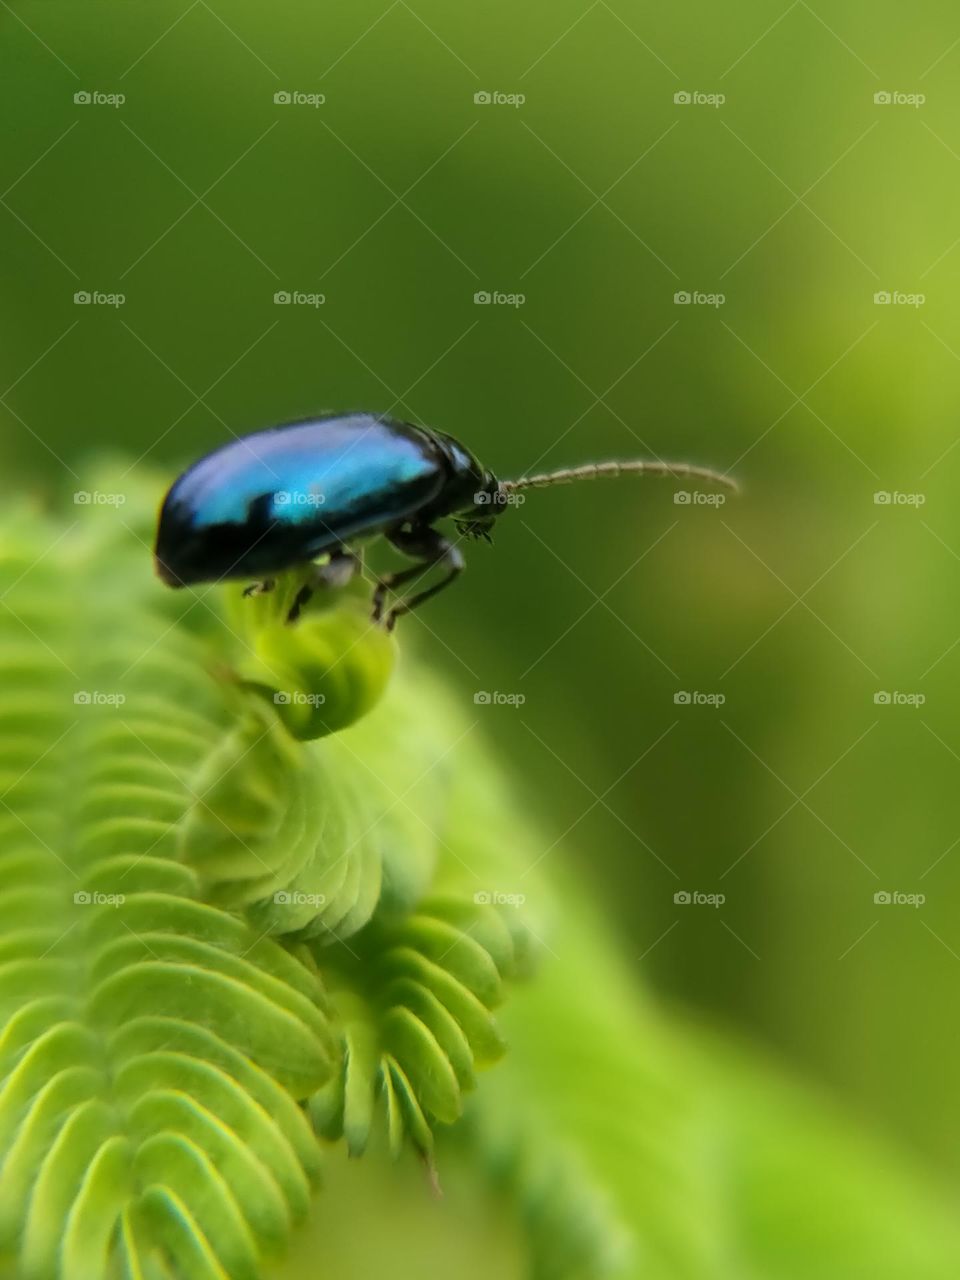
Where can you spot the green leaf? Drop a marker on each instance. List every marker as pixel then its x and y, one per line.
pixel 409 1040
pixel 208 909
pixel 301 670
pixel 230 936
pixel 417 1030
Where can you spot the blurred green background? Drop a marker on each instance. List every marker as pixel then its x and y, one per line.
pixel 598 198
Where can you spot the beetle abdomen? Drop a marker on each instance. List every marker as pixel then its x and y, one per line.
pixel 270 500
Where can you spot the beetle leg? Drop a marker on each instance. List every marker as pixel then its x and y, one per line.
pixel 259 588
pixel 299 600
pixel 452 558
pixel 432 549
pixel 336 572
pixel 412 542
pixel 390 583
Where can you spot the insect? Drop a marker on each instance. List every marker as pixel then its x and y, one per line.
pixel 285 497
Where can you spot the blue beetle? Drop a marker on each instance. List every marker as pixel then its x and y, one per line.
pixel 284 497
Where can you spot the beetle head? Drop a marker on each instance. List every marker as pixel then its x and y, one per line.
pixel 478 520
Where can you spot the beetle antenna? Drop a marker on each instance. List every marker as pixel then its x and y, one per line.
pixel 638 466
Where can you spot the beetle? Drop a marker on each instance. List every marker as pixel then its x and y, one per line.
pixel 283 497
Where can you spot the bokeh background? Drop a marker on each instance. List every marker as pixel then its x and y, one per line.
pixel 816 629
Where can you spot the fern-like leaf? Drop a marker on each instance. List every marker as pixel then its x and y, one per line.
pixel 216 942
pixel 242 918
pixel 415 997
